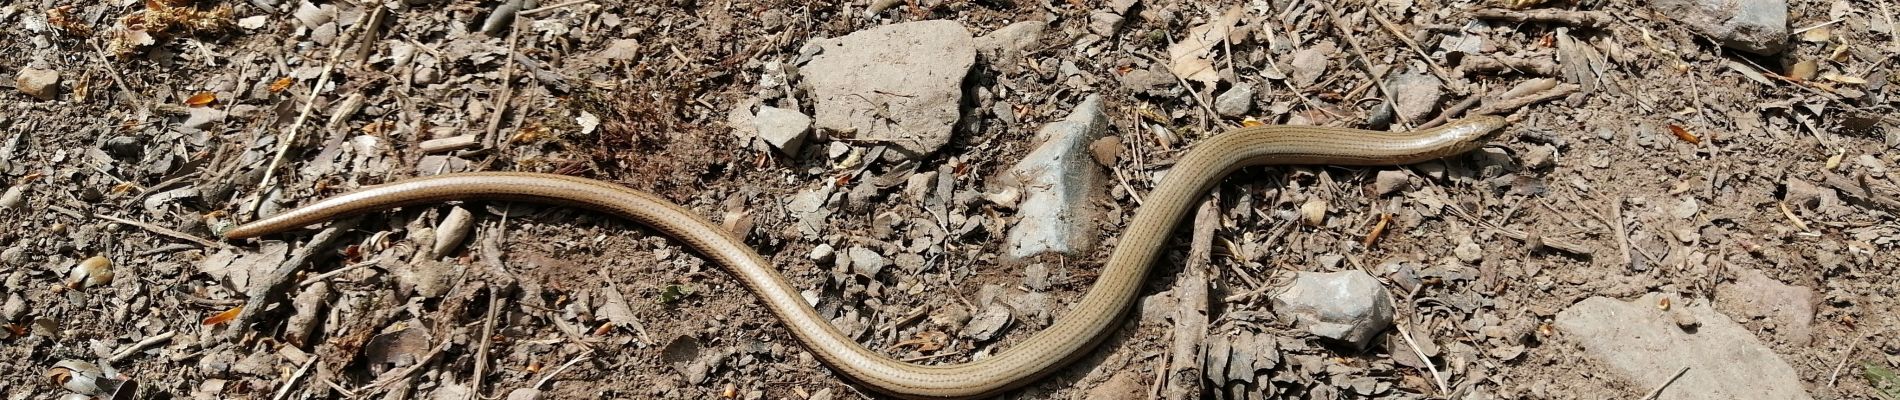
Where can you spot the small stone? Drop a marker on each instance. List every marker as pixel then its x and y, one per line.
pixel 1236 102
pixel 987 325
pixel 42 84
pixel 14 309
pixel 1416 94
pixel 1005 46
pixel 784 129
pixel 1106 150
pixel 1147 81
pixel 1313 212
pixel 1347 306
pixel 1036 276
pixel 865 261
pixel 1391 181
pixel 1468 250
pixel 1540 157
pixel 14 197
pixel 822 253
pixel 524 394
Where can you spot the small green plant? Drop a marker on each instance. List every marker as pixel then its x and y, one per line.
pixel 1884 381
pixel 674 293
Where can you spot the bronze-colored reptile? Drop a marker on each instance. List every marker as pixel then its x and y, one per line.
pixel 1067 339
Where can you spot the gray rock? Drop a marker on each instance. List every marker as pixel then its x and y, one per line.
pixel 865 261
pixel 1644 344
pixel 1148 81
pixel 1754 295
pixel 1414 94
pixel 784 129
pixel 525 394
pixel 986 325
pixel 822 253
pixel 1347 306
pixel 808 207
pixel 14 197
pixel 1390 181
pixel 1005 46
pixel 1060 180
pixel 1236 102
pixel 42 84
pixel 900 83
pixel 1755 26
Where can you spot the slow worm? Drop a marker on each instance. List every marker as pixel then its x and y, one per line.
pixel 1041 354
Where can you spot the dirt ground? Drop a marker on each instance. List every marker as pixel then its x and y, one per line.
pixel 1642 156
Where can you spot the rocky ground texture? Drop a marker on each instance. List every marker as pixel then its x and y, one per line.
pixel 1694 198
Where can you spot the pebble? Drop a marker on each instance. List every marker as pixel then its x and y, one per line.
pixel 822 253
pixel 865 261
pixel 1391 181
pixel 988 324
pixel 1540 157
pixel 524 394
pixel 1148 81
pixel 1036 276
pixel 1755 26
pixel 13 198
pixel 42 84
pixel 1236 102
pixel 1347 306
pixel 785 129
pixel 1061 183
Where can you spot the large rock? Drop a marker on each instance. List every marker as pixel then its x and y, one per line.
pixel 1647 344
pixel 1060 182
pixel 1346 306
pixel 1755 26
pixel 900 84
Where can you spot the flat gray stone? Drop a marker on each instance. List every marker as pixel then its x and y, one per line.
pixel 1005 46
pixel 1060 181
pixel 1755 26
pixel 784 129
pixel 1346 306
pixel 900 84
pixel 1415 94
pixel 1647 345
pixel 1235 102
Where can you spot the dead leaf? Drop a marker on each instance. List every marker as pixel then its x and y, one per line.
pixel 201 99
pixel 224 317
pixel 1189 59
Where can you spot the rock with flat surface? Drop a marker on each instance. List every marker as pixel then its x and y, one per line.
pixel 1235 102
pixel 900 84
pixel 784 129
pixel 1755 26
pixel 1060 180
pixel 1005 47
pixel 1646 345
pixel 42 84
pixel 1346 306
